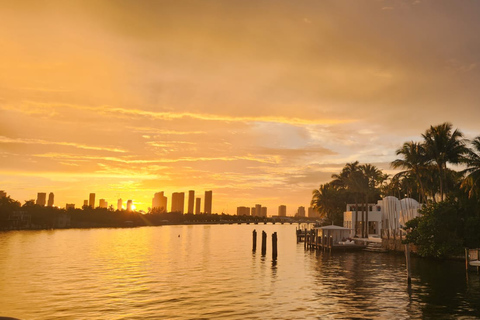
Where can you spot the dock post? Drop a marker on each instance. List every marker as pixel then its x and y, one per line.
pixel 407 257
pixel 466 260
pixel 305 240
pixel 264 243
pixel 274 246
pixel 254 240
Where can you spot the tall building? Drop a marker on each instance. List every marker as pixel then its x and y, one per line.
pixel 198 203
pixel 85 203
pixel 178 202
pixel 119 204
pixel 253 213
pixel 208 202
pixel 301 212
pixel 159 202
pixel 70 206
pixel 282 211
pixel 191 200
pixel 3 194
pixel 129 205
pixel 243 211
pixel 258 210
pixel 264 212
pixel 103 203
pixel 50 199
pixel 41 198
pixel 91 200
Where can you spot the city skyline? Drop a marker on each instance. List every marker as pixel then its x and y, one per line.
pixel 259 102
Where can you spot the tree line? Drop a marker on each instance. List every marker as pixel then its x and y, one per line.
pixel 442 171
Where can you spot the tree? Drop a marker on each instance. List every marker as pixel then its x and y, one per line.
pixel 443 146
pixel 372 178
pixel 471 183
pixel 328 201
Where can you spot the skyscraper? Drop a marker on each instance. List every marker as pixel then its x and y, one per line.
pixel 208 202
pixel 103 203
pixel 243 211
pixel 91 200
pixel 198 203
pixel 159 202
pixel 282 211
pixel 264 212
pixel 85 203
pixel 129 205
pixel 191 200
pixel 119 204
pixel 41 198
pixel 178 202
pixel 258 210
pixel 301 212
pixel 50 199
pixel 70 206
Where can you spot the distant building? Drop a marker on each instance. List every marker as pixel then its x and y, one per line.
pixel 282 210
pixel 159 202
pixel 91 200
pixel 301 212
pixel 258 210
pixel 129 205
pixel 85 203
pixel 41 199
pixel 70 206
pixel 191 201
pixel 50 199
pixel 119 204
pixel 264 212
pixel 198 203
pixel 3 194
pixel 243 211
pixel 103 203
pixel 178 202
pixel 208 202
pixel 253 213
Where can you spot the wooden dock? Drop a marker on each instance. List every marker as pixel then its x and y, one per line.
pixel 312 240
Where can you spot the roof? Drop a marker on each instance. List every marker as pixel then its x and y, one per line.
pixel 333 227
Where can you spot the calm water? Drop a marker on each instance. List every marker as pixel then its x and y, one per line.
pixel 209 272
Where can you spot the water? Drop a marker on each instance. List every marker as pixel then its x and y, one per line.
pixel 209 272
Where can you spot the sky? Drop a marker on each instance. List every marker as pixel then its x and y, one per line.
pixel 258 101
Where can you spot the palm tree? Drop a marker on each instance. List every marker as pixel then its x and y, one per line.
pixel 371 178
pixel 471 183
pixel 415 161
pixel 327 200
pixel 443 146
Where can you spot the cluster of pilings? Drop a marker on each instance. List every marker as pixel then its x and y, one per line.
pixel 264 244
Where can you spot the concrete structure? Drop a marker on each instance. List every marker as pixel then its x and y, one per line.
pixel 258 210
pixel 191 201
pixel 243 211
pixel 208 202
pixel 51 200
pixel 85 203
pixel 91 200
pixel 159 202
pixel 282 210
pixel 103 203
pixel 253 212
pixel 300 212
pixel 198 203
pixel 264 212
pixel 129 205
pixel 119 204
pixel 3 194
pixel 41 199
pixel 70 206
pixel 178 202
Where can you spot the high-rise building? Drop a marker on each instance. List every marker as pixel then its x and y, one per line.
pixel 85 203
pixel 243 211
pixel 50 199
pixel 198 203
pixel 264 212
pixel 301 212
pixel 253 213
pixel 91 200
pixel 119 204
pixel 178 202
pixel 191 200
pixel 282 210
pixel 159 202
pixel 41 199
pixel 258 210
pixel 3 194
pixel 103 203
pixel 70 206
pixel 129 205
pixel 208 202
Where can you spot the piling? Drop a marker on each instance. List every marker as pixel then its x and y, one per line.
pixel 274 246
pixel 264 243
pixel 409 267
pixel 254 240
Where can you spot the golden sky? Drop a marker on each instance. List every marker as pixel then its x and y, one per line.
pixel 259 101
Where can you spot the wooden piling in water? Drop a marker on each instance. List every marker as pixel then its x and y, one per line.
pixel 264 243
pixel 274 246
pixel 254 240
pixel 409 267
